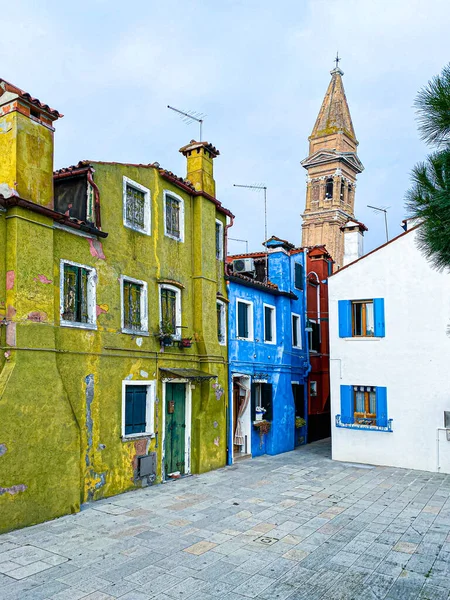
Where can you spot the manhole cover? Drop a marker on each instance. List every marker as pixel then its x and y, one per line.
pixel 266 541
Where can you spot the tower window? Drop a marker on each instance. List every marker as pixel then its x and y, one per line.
pixel 342 190
pixel 329 188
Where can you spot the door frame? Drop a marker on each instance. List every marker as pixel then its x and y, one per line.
pixel 188 420
pixel 248 432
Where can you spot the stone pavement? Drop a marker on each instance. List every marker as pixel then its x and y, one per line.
pixel 295 526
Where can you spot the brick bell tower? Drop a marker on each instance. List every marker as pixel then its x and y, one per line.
pixel 332 167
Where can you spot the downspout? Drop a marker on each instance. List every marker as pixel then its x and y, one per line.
pixel 308 370
pixel 226 244
pixel 96 199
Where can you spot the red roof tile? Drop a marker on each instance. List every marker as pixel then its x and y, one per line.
pixel 5 86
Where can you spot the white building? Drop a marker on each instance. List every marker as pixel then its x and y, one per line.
pixel 389 317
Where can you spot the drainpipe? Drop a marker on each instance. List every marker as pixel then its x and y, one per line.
pixel 225 250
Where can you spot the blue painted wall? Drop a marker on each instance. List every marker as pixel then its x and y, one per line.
pixel 282 363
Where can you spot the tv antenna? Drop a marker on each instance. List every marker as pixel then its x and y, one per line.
pixel 189 117
pixel 384 210
pixel 238 240
pixel 259 187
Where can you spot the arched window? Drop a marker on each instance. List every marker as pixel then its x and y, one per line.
pixel 329 188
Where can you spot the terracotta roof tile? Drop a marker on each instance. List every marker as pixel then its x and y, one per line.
pixel 5 86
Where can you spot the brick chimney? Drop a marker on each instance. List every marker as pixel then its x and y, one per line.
pixel 26 145
pixel 200 171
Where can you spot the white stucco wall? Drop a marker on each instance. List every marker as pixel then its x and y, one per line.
pixel 353 246
pixel 412 360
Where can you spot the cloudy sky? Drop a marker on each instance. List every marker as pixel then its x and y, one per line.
pixel 257 69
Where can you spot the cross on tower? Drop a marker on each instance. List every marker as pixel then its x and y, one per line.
pixel 336 60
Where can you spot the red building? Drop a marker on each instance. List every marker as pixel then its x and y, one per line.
pixel 319 267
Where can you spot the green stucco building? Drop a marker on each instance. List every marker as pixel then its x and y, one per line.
pixel 113 364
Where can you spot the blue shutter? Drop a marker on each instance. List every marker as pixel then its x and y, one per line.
pixel 139 406
pixel 381 399
pixel 347 412
pixel 298 276
pixel 345 318
pixel 378 317
pixel 128 411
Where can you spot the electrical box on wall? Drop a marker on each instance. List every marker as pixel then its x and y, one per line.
pixel 147 465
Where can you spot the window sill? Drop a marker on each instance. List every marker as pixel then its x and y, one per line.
pixel 174 237
pixel 137 229
pixel 363 339
pixel 137 436
pixel 270 343
pixel 135 332
pixel 339 423
pixel 75 325
pixel 243 339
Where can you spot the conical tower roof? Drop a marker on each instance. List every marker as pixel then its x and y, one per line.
pixel 334 115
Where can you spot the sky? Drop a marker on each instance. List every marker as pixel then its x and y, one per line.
pixel 257 69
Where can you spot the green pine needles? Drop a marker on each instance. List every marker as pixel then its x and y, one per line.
pixel 429 197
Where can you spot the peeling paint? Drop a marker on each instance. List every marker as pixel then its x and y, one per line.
pixel 216 424
pixel 96 249
pixel 10 277
pixel 139 341
pixel 144 374
pixel 101 308
pixel 89 380
pixel 37 316
pixel 128 377
pixel 217 441
pixel 42 279
pixel 13 490
pixel 3 449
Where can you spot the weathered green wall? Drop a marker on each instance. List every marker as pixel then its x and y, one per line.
pixel 63 401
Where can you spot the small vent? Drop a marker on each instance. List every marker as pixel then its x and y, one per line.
pixel 147 465
pixel 244 265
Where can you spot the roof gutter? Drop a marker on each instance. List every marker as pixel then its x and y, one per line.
pixel 261 287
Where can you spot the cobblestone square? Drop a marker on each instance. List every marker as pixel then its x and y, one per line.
pixel 293 526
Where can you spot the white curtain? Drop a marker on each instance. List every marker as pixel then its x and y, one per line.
pixel 238 433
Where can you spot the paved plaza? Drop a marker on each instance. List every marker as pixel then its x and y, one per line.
pixel 295 526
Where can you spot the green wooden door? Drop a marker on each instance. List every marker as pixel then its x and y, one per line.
pixel 175 435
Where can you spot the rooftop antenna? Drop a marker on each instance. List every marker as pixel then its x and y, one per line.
pixel 260 186
pixel 384 210
pixel 189 117
pixel 238 240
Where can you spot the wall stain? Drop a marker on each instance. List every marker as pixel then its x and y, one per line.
pixel 95 481
pixel 13 490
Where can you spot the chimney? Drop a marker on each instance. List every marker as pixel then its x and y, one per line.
pixel 26 145
pixel 200 172
pixel 353 241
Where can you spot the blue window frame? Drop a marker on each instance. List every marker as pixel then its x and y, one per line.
pixel 361 318
pixel 364 407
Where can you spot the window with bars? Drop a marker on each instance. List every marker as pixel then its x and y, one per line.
pixel 221 321
pixel 170 311
pixel 219 240
pixel 173 216
pixel 77 295
pixel 134 305
pixel 136 204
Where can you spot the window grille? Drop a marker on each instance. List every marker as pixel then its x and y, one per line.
pixel 135 207
pixel 132 293
pixel 172 216
pixel 75 294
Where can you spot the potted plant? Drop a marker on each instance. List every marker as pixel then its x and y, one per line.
pixel 299 422
pixel 185 342
pixel 166 332
pixel 260 410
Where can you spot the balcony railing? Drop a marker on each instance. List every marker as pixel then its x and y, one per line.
pixel 365 427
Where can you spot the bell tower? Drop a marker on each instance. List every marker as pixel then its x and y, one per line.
pixel 332 167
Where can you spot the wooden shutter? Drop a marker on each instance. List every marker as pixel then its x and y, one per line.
pixel 298 276
pixel 242 320
pixel 135 409
pixel 378 317
pixel 266 400
pixel 381 400
pixel 347 411
pixel 345 318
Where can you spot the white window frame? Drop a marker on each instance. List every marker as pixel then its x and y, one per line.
pixel 181 201
pixel 219 256
pixel 310 337
pixel 223 341
pixel 144 306
pixel 250 320
pixel 274 323
pixel 147 212
pixel 177 334
pixel 92 296
pixel 149 409
pixel 299 330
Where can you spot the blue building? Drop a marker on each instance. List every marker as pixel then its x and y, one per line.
pixel 268 351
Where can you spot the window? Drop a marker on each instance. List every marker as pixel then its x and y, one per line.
pixel 134 305
pixel 173 216
pixel 313 388
pixel 296 332
pixel 314 336
pixel 329 189
pixel 269 324
pixel 77 289
pixel 361 318
pixel 244 319
pixel 219 240
pixel 138 402
pixel 221 323
pixel 261 395
pixel 74 196
pixel 170 310
pixel 136 206
pixel 298 276
pixel 363 406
